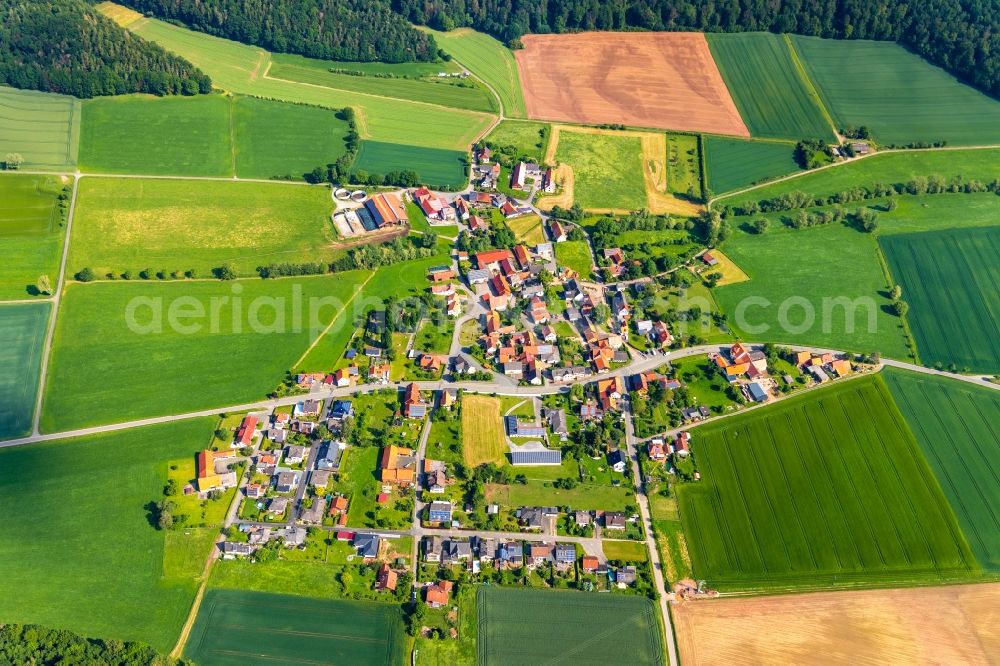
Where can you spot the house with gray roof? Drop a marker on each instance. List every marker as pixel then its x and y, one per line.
pixel 367 545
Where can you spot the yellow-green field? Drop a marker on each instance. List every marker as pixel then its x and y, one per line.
pixel 484 440
pixel 528 229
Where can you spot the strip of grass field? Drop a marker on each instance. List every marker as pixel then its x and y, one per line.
pixel 526 137
pixel 528 229
pixel 683 165
pixel 897 94
pixel 770 94
pixel 484 440
pixel 489 60
pixel 626 551
pixel 241 69
pixel 253 627
pixel 445 92
pixel 228 343
pixel 280 139
pixel 955 425
pixel 834 262
pixel 827 489
pixel 22 334
pixel 436 167
pixel 175 225
pixel 552 626
pixel 575 255
pixel 31 232
pixel 607 169
pixel 736 163
pixel 951 279
pixel 143 134
pixel 43 128
pixel 889 168
pixel 81 552
pixel 404 279
pixel 400 69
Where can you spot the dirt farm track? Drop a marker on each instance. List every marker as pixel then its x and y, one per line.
pixel 666 80
pixel 941 625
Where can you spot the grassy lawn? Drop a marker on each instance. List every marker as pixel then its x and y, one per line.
pixel 584 497
pixel 482 426
pixel 175 225
pixel 460 651
pixel 146 372
pixel 22 334
pixel 735 163
pixel 575 255
pixel 44 128
pixel 954 423
pixel 31 232
pixel 488 59
pixel 528 229
pixel 359 480
pixel 951 279
pixel 435 338
pixel 144 134
pixel 900 96
pixel 98 567
pixel 607 169
pixel 807 493
pixel 773 98
pixel 429 89
pixel 239 68
pixel 626 551
pixel 526 138
pixel 437 168
pixel 512 405
pixel 706 388
pixel 233 626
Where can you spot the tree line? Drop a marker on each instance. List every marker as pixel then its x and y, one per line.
pixel 361 30
pixel 66 46
pixel 963 36
pixel 41 646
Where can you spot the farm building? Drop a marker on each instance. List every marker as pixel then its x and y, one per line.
pixel 536 457
pixel 386 209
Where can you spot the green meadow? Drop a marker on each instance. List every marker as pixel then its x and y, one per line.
pixel 22 338
pixel 44 128
pixel 955 425
pixel 607 170
pixel 576 256
pixel 821 266
pixel 80 551
pixel 769 91
pixel 526 137
pixel 437 167
pixel 148 135
pixel 828 489
pixel 451 92
pixel 236 627
pixel 951 279
pixel 31 232
pixel 240 68
pixel 488 59
pixel 889 168
pixel 208 135
pixel 732 164
pixel 131 224
pixel 900 96
pixel 130 350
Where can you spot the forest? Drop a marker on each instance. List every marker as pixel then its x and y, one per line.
pixel 963 36
pixel 358 30
pixel 41 646
pixel 66 46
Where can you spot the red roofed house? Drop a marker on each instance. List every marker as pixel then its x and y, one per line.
pixel 441 276
pixel 521 254
pixel 709 259
pixel 244 436
pixel 590 563
pixel 656 452
pixel 682 445
pixel 439 594
pixel 557 231
pixel 491 259
pixel 539 313
pixel 477 223
pixel 387 209
pixel 517 176
pixel 739 354
pixel 509 210
pixel 386 578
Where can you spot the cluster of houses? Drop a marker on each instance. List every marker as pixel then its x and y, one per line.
pixel 748 368
pixel 486 173
pixel 661 450
pixel 823 367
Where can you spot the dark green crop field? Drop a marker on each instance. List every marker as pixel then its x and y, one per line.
pixel 436 167
pixel 235 627
pixel 770 93
pixel 951 279
pixel 828 489
pixel 736 163
pixel 22 336
pixel 956 426
pixel 519 626
pixel 31 232
pixel 899 95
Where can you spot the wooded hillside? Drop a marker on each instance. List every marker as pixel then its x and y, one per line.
pixel 66 46
pixel 366 30
pixel 963 36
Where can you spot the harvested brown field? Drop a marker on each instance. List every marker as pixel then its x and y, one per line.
pixel 933 625
pixel 666 80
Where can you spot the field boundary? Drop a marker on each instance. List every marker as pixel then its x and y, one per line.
pixel 810 87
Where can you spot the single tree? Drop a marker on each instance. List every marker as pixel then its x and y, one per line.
pixel 13 161
pixel 44 286
pixel 85 275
